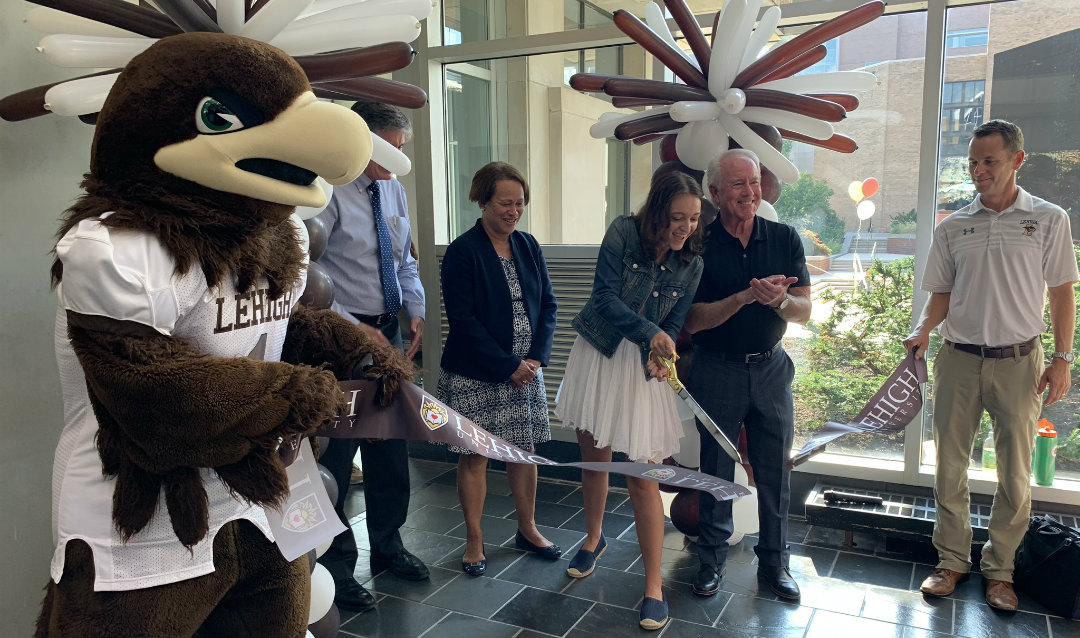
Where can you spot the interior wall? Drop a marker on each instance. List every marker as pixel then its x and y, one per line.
pixel 41 163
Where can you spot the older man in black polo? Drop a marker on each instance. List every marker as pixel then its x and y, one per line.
pixel 755 281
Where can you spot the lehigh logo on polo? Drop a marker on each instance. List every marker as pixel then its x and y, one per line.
pixel 660 474
pixel 434 414
pixel 303 515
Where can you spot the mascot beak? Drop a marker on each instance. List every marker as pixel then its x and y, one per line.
pixel 278 160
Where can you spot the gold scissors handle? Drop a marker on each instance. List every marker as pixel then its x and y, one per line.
pixel 669 365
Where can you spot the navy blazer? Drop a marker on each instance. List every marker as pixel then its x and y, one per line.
pixel 478 307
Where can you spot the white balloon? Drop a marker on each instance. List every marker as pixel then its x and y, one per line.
pixel 347 34
pixel 48 20
pixel 78 97
pixel 322 593
pixel 605 127
pixel 419 9
pixel 321 549
pixel 654 17
pixel 818 129
pixel 820 82
pixel 773 159
pixel 742 37
pixel 720 62
pixel 91 51
pixel 308 634
pixel 274 16
pixel 734 101
pixel 767 211
pixel 692 111
pixel 762 34
pixel 744 510
pixel 384 154
pixel 231 15
pixel 866 209
pixel 307 212
pixel 699 142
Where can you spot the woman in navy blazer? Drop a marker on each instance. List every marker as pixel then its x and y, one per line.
pixel 501 309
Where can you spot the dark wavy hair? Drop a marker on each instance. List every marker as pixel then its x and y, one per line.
pixel 655 216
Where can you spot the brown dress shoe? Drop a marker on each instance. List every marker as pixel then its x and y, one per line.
pixel 1000 595
pixel 942 582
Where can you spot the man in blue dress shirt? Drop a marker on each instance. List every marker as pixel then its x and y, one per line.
pixel 368 257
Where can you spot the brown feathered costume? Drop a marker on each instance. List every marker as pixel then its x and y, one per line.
pixel 184 359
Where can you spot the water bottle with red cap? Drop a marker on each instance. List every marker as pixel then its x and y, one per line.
pixel 1045 455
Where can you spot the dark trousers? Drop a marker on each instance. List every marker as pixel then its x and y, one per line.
pixel 757 396
pixel 386 491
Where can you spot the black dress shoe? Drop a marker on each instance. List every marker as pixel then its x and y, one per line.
pixel 402 564
pixel 780 581
pixel 707 580
pixel 351 596
pixel 551 552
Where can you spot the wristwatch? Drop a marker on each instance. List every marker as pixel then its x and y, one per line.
pixel 787 300
pixel 1067 356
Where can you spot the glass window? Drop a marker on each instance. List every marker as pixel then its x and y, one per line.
pixel 1017 64
pixel 522 111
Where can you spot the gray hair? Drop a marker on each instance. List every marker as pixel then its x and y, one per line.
pixel 382 118
pixel 713 174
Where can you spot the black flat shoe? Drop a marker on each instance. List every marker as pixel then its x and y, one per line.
pixel 780 581
pixel 474 569
pixel 403 565
pixel 551 552
pixel 351 596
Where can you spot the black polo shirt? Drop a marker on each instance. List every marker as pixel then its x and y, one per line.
pixel 773 249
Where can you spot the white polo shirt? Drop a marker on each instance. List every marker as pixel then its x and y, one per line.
pixel 997 267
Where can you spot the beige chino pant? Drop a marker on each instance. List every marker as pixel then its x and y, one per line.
pixel 966 384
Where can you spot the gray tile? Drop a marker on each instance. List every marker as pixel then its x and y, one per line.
pixel 675 565
pixel 474 596
pixel 619 555
pixel 604 621
pixel 615 498
pixel 1064 628
pixel 543 611
pixel 686 605
pixel 553 491
pixel 421 470
pixel 497 505
pixel 496 531
pixel 497 483
pixel 614 525
pixel 828 624
pixel 394 618
pixel 909 608
pixel 834 538
pixel 461 626
pixel 417 590
pixel 610 587
pixel 567 539
pixel 977 619
pixel 428 547
pixel 550 514
pixel 433 494
pixel 860 568
pixel 749 617
pixel 430 518
pixel 807 560
pixel 915 632
pixel 829 594
pixel 681 629
pixel 536 572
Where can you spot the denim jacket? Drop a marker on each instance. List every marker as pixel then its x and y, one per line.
pixel 633 297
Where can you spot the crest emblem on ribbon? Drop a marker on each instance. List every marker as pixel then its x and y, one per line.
pixel 660 474
pixel 434 414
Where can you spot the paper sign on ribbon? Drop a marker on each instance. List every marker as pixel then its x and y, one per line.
pixel 307 519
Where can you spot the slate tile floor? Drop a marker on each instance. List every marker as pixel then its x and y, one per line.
pixel 868 590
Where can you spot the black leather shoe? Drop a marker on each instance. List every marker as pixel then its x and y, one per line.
pixel 351 596
pixel 707 580
pixel 551 552
pixel 780 581
pixel 402 564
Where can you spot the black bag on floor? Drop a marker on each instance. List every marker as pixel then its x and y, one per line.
pixel 1048 566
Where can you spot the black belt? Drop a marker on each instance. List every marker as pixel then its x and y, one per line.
pixel 996 352
pixel 377 321
pixel 748 357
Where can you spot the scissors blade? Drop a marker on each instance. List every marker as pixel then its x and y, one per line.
pixel 710 425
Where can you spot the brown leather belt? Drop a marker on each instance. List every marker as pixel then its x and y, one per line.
pixel 996 352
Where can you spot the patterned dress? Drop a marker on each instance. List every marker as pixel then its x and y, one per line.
pixel 517 415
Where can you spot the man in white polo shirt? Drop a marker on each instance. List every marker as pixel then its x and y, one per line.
pixel 989 270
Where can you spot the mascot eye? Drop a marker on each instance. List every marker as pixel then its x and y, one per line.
pixel 211 116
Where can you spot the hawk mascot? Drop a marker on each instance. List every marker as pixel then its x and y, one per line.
pixel 187 366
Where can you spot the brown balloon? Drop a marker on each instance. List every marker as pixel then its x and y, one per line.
pixel 319 293
pixel 628 102
pixel 801 104
pixel 768 133
pixel 691 30
pixel 377 89
pixel 318 235
pixel 849 102
pixel 118 14
pixel 591 81
pixel 798 63
pixel 31 102
pixel 685 515
pixel 329 482
pixel 329 625
pixel 629 24
pixel 798 45
pixel 770 186
pixel 839 143
pixel 641 140
pixel 352 63
pixel 254 8
pixel 667 149
pixel 89 118
pixel 655 89
pixel 188 15
pixel 649 124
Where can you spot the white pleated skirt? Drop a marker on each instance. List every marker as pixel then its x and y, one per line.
pixel 612 400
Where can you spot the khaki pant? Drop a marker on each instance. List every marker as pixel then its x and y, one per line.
pixel 1006 388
